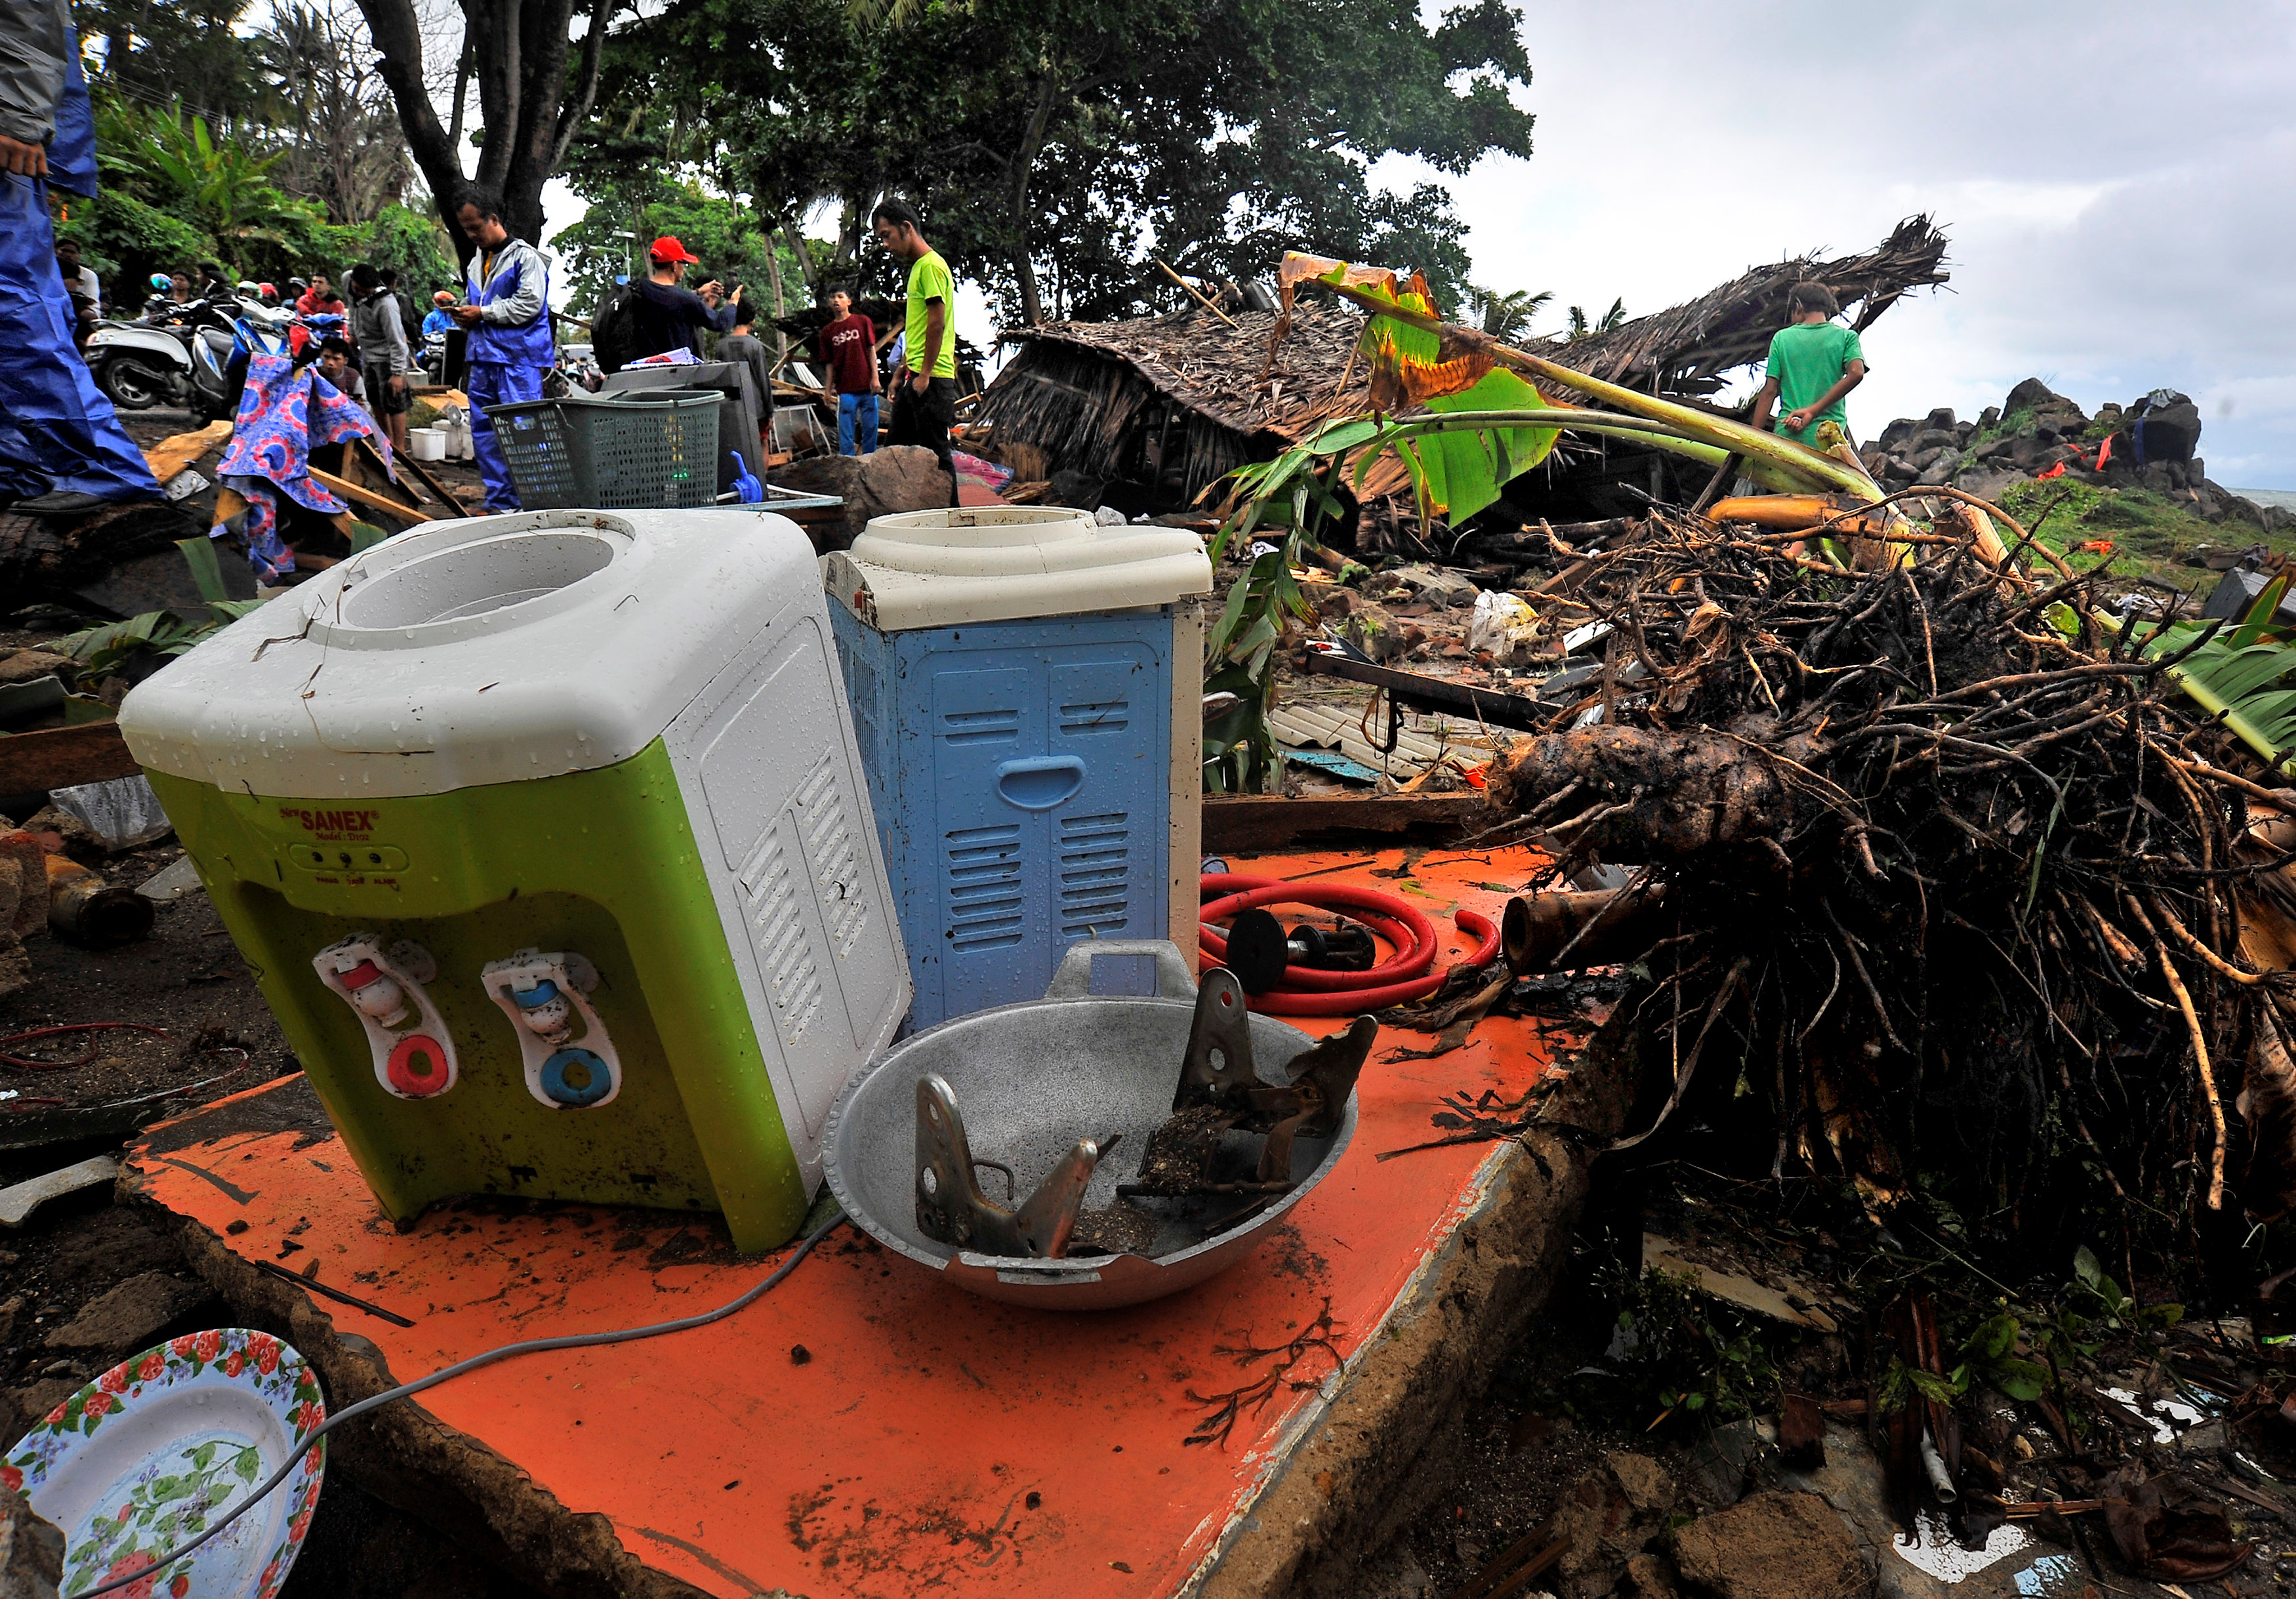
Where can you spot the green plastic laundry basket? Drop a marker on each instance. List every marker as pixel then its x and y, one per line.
pixel 642 449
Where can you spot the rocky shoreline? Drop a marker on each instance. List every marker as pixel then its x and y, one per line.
pixel 2151 443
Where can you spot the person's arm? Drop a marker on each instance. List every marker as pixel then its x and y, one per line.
pixel 869 355
pixel 1763 401
pixel 935 331
pixel 825 352
pixel 395 337
pixel 34 36
pixel 1853 372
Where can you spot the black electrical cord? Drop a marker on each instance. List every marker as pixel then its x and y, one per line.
pixel 532 1346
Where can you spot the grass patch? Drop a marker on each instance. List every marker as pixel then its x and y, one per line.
pixel 2152 535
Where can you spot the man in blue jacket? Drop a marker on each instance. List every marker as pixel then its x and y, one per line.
pixel 508 316
pixel 62 448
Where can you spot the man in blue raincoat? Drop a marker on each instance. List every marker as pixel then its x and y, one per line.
pixel 62 448
pixel 508 314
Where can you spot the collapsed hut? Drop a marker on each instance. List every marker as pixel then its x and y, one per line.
pixel 1152 410
pixel 1156 409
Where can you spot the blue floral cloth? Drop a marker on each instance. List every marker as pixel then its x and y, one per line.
pixel 284 411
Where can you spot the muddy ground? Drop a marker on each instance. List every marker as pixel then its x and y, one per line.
pixel 216 1037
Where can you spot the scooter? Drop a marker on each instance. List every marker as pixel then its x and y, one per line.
pixel 196 358
pixel 139 364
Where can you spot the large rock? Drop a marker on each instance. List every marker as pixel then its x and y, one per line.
pixel 897 477
pixel 2170 427
pixel 128 1317
pixel 1773 1546
pixel 2039 411
pixel 1986 483
pixel 1384 638
pixel 1606 1519
pixel 31 1551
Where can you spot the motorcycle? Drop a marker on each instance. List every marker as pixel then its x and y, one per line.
pixel 141 364
pixel 197 357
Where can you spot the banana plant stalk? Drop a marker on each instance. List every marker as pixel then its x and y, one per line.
pixel 1724 433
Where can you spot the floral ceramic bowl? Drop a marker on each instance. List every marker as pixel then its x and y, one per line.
pixel 150 1454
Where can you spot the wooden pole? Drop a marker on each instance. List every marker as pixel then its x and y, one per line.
pixel 367 498
pixel 1193 294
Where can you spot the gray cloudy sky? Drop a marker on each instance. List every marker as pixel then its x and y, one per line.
pixel 2115 179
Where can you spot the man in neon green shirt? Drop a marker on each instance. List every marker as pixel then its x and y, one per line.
pixel 1813 364
pixel 924 390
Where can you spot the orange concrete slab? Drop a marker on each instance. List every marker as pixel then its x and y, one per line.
pixel 867 1429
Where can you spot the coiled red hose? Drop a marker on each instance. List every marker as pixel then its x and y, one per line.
pixel 1306 992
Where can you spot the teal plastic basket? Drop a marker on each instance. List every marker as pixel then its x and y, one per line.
pixel 641 449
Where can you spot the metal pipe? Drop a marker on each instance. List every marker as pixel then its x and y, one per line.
pixel 1934 1462
pixel 88 911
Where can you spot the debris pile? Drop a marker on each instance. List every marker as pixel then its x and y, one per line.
pixel 1948 877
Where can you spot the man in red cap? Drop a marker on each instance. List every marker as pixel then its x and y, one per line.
pixel 668 315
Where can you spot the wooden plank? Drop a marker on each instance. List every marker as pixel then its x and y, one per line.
pixel 61 757
pixel 437 491
pixel 1257 824
pixel 367 498
pixel 1501 710
pixel 375 474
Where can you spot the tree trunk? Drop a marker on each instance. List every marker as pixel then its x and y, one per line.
pixel 805 264
pixel 774 276
pixel 462 96
pixel 1023 169
pixel 530 113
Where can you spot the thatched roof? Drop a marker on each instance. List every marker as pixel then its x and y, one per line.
pixel 1691 349
pixel 1215 369
pixel 1075 389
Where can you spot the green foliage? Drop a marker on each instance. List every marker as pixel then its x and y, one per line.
pixel 2016 1349
pixel 102 652
pixel 416 244
pixel 2115 1308
pixel 2155 534
pixel 1610 321
pixel 172 184
pixel 1690 1355
pixel 2242 675
pixel 127 240
pixel 1506 316
pixel 733 243
pixel 1059 138
pixel 191 52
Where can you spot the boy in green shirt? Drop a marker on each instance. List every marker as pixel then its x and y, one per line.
pixel 1813 364
pixel 924 390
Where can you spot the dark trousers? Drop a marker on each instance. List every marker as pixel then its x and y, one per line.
pixel 925 419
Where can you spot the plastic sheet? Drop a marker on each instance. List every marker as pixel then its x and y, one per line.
pixel 123 811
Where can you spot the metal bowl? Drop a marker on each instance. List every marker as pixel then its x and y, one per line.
pixel 1032 1079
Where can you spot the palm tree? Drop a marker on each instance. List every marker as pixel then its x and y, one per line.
pixel 1613 320
pixel 1506 316
pixel 219 187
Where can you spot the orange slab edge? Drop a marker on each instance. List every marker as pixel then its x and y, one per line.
pixel 926 1439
